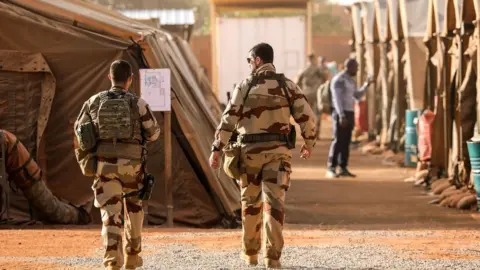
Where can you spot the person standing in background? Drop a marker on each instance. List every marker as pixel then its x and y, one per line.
pixel 310 78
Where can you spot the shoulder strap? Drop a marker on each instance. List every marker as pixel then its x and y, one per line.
pixel 251 84
pixel 281 82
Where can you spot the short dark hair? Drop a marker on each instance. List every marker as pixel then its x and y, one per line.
pixel 120 70
pixel 311 56
pixel 350 61
pixel 264 51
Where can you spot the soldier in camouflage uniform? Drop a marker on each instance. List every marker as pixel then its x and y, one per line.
pixel 309 80
pixel 259 111
pixel 118 167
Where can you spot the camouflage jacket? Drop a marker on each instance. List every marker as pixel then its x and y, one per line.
pixel 266 110
pixel 311 78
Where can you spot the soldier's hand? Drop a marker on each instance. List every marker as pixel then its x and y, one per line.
pixel 214 159
pixel 305 152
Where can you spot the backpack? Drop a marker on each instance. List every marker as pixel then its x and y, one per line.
pixel 324 98
pixel 115 118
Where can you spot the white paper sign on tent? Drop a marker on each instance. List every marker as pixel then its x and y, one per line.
pixel 155 88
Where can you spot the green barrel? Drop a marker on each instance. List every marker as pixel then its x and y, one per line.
pixel 474 154
pixel 411 138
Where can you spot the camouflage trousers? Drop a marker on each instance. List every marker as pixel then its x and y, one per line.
pixel 115 177
pixel 263 188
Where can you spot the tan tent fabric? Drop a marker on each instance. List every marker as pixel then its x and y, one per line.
pixel 468 108
pixel 450 16
pixel 436 53
pixel 399 88
pixel 32 127
pixel 357 23
pixel 372 59
pixel 201 197
pixel 395 19
pixel 414 21
pixel 414 24
pixel 381 13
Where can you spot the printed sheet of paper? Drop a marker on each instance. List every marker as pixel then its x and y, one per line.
pixel 155 88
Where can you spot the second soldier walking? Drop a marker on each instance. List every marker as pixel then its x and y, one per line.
pixel 259 112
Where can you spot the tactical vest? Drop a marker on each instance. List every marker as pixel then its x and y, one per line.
pixel 117 124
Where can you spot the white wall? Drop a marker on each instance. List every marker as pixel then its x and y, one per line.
pixel 236 36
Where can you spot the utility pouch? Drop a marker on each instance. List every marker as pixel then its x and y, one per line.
pixel 231 164
pixel 86 136
pixel 87 162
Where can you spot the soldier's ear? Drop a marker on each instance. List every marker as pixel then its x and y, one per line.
pixel 258 61
pixel 109 76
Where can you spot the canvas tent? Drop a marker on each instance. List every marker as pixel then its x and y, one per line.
pixel 356 13
pixel 456 48
pixel 399 86
pixel 436 57
pixel 385 81
pixel 372 60
pixel 467 91
pixel 414 25
pixel 56 53
pixel 476 43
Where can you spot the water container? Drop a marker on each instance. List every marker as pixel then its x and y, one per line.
pixel 411 138
pixel 474 154
pixel 361 123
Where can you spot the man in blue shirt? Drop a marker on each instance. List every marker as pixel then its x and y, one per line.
pixel 344 93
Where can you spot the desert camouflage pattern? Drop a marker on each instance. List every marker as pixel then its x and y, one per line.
pixel 267 164
pixel 23 172
pixel 114 176
pixel 266 110
pixel 309 80
pixel 147 126
pixel 263 188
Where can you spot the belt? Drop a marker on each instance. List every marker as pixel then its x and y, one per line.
pixel 262 137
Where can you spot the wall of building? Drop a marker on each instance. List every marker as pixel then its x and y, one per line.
pixel 334 48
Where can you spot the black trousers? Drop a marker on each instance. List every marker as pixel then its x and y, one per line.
pixel 342 137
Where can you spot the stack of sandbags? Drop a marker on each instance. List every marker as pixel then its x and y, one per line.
pixel 450 196
pixel 372 148
pixel 393 159
pixel 419 177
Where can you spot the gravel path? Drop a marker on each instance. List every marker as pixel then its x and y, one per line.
pixel 352 250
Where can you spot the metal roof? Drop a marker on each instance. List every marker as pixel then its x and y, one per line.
pixel 166 16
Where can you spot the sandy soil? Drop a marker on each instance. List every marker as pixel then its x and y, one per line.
pixel 375 208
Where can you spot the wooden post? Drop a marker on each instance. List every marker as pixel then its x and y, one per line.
pixel 167 117
pixel 309 33
pixel 213 42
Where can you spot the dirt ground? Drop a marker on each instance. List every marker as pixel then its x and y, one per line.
pixel 375 208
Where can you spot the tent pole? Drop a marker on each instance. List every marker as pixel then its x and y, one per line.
pixel 167 117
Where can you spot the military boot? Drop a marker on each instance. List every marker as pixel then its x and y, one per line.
pixel 274 264
pixel 133 261
pixel 250 260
